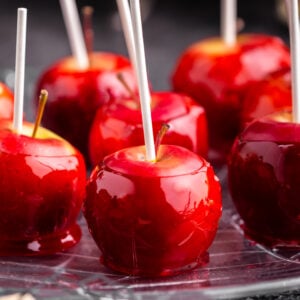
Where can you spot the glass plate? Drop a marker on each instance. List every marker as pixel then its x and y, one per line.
pixel 237 268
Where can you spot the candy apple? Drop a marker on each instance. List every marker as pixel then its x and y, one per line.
pixel 6 102
pixel 153 218
pixel 264 180
pixel 267 96
pixel 118 124
pixel 42 186
pixel 217 76
pixel 75 95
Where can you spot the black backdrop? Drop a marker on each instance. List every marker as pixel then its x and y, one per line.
pixel 170 26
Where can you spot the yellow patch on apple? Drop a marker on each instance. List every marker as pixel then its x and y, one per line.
pixel 214 47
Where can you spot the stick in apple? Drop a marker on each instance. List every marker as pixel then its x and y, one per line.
pixel 292 8
pixel 125 17
pixel 141 72
pixel 75 35
pixel 228 21
pixel 20 70
pixel 42 102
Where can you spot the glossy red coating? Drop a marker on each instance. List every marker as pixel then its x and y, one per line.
pixel 267 96
pixel 75 95
pixel 41 194
pixel 264 180
pixel 6 102
pixel 153 218
pixel 218 76
pixel 118 125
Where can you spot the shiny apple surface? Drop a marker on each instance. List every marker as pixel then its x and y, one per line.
pixel 42 186
pixel 217 76
pixel 118 125
pixel 267 96
pixel 6 102
pixel 264 180
pixel 75 95
pixel 153 218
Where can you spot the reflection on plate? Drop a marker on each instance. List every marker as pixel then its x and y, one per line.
pixel 237 268
pixel 290 254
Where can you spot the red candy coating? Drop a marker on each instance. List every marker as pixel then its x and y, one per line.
pixel 75 95
pixel 118 125
pixel 153 218
pixel 217 76
pixel 264 179
pixel 6 102
pixel 267 96
pixel 42 186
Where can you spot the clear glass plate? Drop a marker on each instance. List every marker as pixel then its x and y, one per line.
pixel 237 268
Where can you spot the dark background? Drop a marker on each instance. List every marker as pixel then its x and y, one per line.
pixel 169 27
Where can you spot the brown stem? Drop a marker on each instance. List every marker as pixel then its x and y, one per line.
pixel 163 130
pixel 126 86
pixel 88 32
pixel 42 102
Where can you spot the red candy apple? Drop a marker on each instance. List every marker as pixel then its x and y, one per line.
pixel 42 186
pixel 118 124
pixel 153 218
pixel 267 96
pixel 217 76
pixel 264 179
pixel 6 102
pixel 75 95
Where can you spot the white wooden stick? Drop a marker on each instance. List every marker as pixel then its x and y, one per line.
pixel 145 97
pixel 125 16
pixel 228 21
pixel 20 70
pixel 74 31
pixel 292 9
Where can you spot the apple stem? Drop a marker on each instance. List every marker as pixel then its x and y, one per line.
pixel 20 70
pixel 42 102
pixel 74 31
pixel 229 21
pixel 126 86
pixel 141 72
pixel 88 32
pixel 162 132
pixel 292 9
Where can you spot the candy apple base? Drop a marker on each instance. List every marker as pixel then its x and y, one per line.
pixel 264 180
pixel 201 260
pixel 42 186
pixel 153 218
pixel 43 245
pixel 218 76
